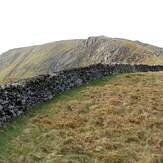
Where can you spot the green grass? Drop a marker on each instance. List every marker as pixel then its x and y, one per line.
pixel 15 128
pixel 116 119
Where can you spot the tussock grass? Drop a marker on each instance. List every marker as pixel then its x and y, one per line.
pixel 111 120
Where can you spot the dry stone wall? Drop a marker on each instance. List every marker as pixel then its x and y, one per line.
pixel 18 97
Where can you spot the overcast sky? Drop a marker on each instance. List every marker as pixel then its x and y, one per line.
pixel 30 22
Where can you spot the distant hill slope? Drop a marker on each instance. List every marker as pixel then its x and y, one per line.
pixel 41 59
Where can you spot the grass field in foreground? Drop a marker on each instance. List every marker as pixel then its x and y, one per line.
pixel 110 120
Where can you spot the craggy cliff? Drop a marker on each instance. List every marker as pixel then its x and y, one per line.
pixel 42 59
pixel 18 97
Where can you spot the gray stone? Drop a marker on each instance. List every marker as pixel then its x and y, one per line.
pixel 15 99
pixel 1 107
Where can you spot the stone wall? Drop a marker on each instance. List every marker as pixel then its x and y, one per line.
pixel 17 98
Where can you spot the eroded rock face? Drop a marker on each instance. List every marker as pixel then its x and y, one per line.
pixel 56 56
pixel 17 98
pixel 90 42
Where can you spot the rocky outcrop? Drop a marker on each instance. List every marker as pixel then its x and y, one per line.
pixel 42 59
pixel 19 97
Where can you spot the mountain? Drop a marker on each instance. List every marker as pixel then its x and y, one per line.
pixel 47 58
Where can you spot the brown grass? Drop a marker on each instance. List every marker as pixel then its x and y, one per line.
pixel 120 120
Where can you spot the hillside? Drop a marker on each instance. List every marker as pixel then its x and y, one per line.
pixel 110 120
pixel 55 56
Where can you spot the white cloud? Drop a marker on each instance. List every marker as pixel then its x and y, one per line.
pixel 28 22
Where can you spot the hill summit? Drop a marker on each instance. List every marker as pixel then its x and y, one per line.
pixel 47 58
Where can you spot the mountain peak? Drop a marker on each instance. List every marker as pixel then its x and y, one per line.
pixel 41 59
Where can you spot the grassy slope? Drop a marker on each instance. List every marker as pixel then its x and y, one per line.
pixel 111 120
pixel 138 51
pixel 34 60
